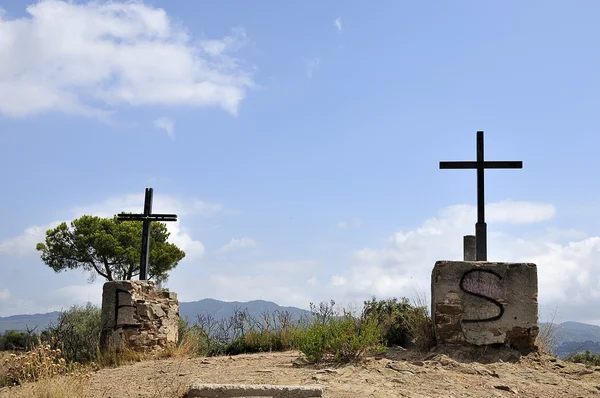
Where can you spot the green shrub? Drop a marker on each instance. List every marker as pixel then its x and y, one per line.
pixel 13 340
pixel 254 341
pixel 586 358
pixel 329 335
pixel 76 333
pixel 400 322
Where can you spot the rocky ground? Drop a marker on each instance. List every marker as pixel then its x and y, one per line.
pixel 398 373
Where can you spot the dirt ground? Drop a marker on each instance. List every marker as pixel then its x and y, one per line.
pixel 397 373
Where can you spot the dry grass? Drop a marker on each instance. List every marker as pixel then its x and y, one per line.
pixel 38 364
pixel 546 338
pixel 187 347
pixel 421 323
pixel 113 358
pixel 58 387
pixel 42 373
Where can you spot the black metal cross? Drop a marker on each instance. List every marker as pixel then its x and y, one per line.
pixel 481 165
pixel 147 218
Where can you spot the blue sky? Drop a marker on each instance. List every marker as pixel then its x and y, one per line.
pixel 299 142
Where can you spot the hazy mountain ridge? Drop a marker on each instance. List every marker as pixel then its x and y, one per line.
pixel 187 310
pixel 225 309
pixel 576 337
pixel 22 322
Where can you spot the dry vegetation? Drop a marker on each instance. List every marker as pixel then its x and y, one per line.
pixel 344 353
pixel 397 373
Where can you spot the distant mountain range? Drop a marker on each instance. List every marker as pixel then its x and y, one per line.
pixel 22 322
pixel 217 309
pixel 225 309
pixel 570 336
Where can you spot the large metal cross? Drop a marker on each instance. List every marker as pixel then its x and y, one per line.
pixel 481 165
pixel 147 218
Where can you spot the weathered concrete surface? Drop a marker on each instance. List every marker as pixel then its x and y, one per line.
pixel 135 315
pixel 252 390
pixel 484 303
pixel 469 248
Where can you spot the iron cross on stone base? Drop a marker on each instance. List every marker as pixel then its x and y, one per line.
pixel 147 218
pixel 481 165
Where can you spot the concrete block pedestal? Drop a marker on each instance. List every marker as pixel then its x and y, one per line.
pixel 485 303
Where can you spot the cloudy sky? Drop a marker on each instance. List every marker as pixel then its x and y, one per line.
pixel 299 142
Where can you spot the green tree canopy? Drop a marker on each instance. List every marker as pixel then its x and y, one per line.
pixel 109 248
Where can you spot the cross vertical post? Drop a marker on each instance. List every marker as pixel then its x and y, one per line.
pixel 480 227
pixel 147 217
pixel 146 234
pixel 481 164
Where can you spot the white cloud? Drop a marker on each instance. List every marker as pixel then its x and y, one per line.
pixel 24 244
pixel 311 65
pixel 338 280
pixel 402 266
pixel 273 287
pixel 88 58
pixel 77 294
pixel 286 282
pixel 166 124
pixel 354 223
pixel 237 243
pixel 51 300
pixel 180 236
pixel 338 23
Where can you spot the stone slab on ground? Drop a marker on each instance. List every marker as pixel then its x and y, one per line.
pixel 252 390
pixel 485 303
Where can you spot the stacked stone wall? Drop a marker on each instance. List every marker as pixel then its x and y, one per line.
pixel 137 316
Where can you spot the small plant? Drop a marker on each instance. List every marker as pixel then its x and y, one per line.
pixel 586 358
pixel 329 335
pixel 400 322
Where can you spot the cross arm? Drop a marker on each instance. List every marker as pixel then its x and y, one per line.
pixel 163 217
pixel 141 217
pixel 502 164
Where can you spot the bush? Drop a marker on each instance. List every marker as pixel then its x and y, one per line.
pixel 400 322
pixel 329 335
pixel 76 333
pixel 261 341
pixel 586 358
pixel 13 340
